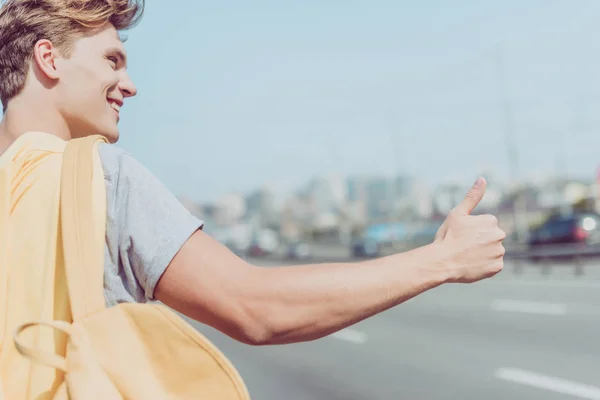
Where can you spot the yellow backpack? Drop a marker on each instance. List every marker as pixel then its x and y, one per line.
pixel 57 338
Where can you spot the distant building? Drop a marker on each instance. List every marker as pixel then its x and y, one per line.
pixel 230 209
pixel 356 189
pixel 379 198
pixel 261 207
pixel 326 194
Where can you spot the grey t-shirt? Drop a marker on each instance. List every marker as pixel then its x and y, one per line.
pixel 146 226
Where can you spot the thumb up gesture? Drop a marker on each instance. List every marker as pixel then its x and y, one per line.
pixel 473 243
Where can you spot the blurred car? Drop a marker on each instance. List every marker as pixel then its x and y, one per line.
pixel 582 228
pixel 562 236
pixel 366 248
pixel 236 248
pixel 299 251
pixel 256 250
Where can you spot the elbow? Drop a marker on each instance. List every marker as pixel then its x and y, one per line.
pixel 259 318
pixel 254 314
pixel 265 334
pixel 255 331
pixel 239 323
pixel 246 321
pixel 257 337
pixel 259 322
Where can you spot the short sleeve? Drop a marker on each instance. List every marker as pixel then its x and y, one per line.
pixel 146 224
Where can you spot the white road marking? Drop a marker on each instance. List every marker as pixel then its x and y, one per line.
pixel 350 335
pixel 557 385
pixel 529 307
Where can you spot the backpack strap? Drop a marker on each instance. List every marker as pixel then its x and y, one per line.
pixel 40 356
pixel 83 224
pixel 82 227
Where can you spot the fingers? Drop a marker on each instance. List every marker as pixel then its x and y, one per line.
pixel 486 224
pixel 500 251
pixel 496 267
pixel 441 232
pixel 472 199
pixel 495 235
pixel 484 220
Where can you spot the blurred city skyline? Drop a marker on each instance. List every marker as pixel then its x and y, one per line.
pixel 233 96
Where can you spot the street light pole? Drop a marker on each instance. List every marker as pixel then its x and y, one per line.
pixel 512 152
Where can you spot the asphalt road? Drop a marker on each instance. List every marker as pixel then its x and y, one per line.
pixel 527 336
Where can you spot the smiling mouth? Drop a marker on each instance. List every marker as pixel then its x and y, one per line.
pixel 115 106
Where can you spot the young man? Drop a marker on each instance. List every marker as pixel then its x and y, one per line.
pixel 63 71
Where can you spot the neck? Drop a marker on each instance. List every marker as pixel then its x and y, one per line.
pixel 30 115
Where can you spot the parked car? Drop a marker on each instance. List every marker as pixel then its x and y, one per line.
pixel 583 228
pixel 299 251
pixel 366 248
pixel 568 233
pixel 258 251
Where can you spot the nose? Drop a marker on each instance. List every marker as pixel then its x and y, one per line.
pixel 127 87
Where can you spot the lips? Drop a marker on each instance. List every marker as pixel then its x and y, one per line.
pixel 115 106
pixel 115 103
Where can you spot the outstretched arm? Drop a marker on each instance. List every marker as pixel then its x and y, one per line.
pixel 210 284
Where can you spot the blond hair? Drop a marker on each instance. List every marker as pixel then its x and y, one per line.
pixel 24 22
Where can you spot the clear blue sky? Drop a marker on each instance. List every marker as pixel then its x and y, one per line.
pixel 233 94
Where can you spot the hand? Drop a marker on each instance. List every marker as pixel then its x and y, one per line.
pixel 472 244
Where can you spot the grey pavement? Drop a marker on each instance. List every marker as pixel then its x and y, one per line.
pixel 526 336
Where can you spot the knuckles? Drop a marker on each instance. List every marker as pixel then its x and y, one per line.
pixel 501 251
pixel 491 220
pixel 501 234
pixel 499 266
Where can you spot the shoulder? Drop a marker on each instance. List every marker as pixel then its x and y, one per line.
pixel 131 184
pixel 117 162
pixel 126 177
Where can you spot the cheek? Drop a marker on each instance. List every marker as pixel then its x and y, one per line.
pixel 91 78
pixel 84 89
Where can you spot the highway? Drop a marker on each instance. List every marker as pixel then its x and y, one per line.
pixel 527 336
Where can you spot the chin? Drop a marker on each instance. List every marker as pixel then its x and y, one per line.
pixel 111 136
pixel 109 131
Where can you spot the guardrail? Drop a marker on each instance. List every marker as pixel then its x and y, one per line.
pixel 546 256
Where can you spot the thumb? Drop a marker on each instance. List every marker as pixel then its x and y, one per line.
pixel 472 198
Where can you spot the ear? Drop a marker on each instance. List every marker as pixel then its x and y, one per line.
pixel 44 56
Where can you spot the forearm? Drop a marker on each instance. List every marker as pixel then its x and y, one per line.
pixel 307 302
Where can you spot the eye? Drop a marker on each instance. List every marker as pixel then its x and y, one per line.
pixel 113 61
